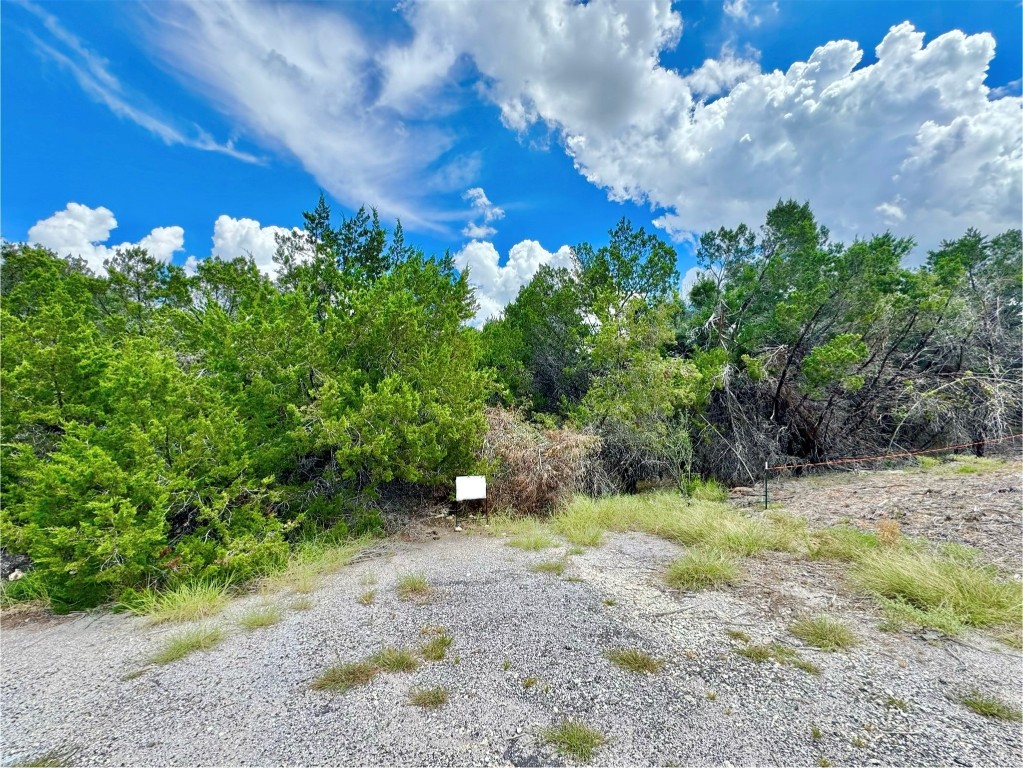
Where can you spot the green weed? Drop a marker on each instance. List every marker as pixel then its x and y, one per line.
pixel 701 569
pixel 412 586
pixel 574 739
pixel 199 638
pixel 344 677
pixel 988 706
pixel 429 698
pixel 825 633
pixel 263 616
pixel 395 660
pixel 436 648
pixel 634 660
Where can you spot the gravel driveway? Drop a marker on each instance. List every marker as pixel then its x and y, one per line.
pixel 74 684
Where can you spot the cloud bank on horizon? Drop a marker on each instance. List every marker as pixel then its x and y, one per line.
pixel 915 142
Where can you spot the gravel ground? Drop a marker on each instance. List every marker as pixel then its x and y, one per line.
pixel 73 684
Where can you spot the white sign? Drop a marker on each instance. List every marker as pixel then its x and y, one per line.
pixel 471 487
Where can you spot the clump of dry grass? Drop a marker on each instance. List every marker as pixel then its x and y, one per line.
pixel 536 469
pixel 260 617
pixel 436 648
pixel 395 660
pixel 574 739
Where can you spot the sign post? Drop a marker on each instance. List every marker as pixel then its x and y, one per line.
pixel 470 488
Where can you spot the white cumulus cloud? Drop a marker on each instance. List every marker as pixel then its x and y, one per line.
pixel 915 141
pixel 79 230
pixel 498 284
pixel 484 213
pixel 246 237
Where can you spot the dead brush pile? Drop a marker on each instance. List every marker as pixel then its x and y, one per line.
pixel 534 469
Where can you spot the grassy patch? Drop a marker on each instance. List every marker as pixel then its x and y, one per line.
pixel 529 682
pixel 738 634
pixel 706 490
pixel 311 562
pixel 302 604
pixel 574 739
pixel 779 653
pixel 263 616
pixel 412 586
pixel 634 660
pixel 692 521
pixel 429 698
pixel 579 528
pixel 194 601
pixel 54 758
pixel 344 677
pixel 988 706
pixel 939 592
pixel 188 641
pixel 893 703
pixel 842 542
pixel 436 648
pixel 825 633
pixel 700 569
pixel 368 597
pixel 555 567
pixel 532 542
pixel 815 733
pixel 395 660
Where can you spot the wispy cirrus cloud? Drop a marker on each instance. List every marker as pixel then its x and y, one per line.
pixel 92 73
pixel 307 81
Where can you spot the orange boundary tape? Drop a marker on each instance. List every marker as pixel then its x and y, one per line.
pixel 896 455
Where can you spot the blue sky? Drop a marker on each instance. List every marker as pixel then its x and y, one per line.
pixel 502 131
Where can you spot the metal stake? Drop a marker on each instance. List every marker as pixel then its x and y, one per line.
pixel 765 484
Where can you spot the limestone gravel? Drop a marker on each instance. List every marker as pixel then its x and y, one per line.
pixel 71 684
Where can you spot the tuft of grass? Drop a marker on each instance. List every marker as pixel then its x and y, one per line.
pixel 311 562
pixel 738 634
pixel 263 616
pixel 711 695
pixel 822 632
pixel 700 569
pixel 367 597
pixel 555 567
pixel 779 653
pixel 344 677
pixel 506 665
pixel 706 490
pixel 689 521
pixel 634 660
pixel 842 542
pixel 193 601
pixel 988 706
pixel 436 648
pixel 302 604
pixel 574 739
pixel 429 698
pixel 939 592
pixel 60 757
pixel 199 638
pixel 815 733
pixel 392 659
pixel 412 586
pixel 893 703
pixel 610 602
pixel 529 682
pixel 532 542
pixel 927 462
